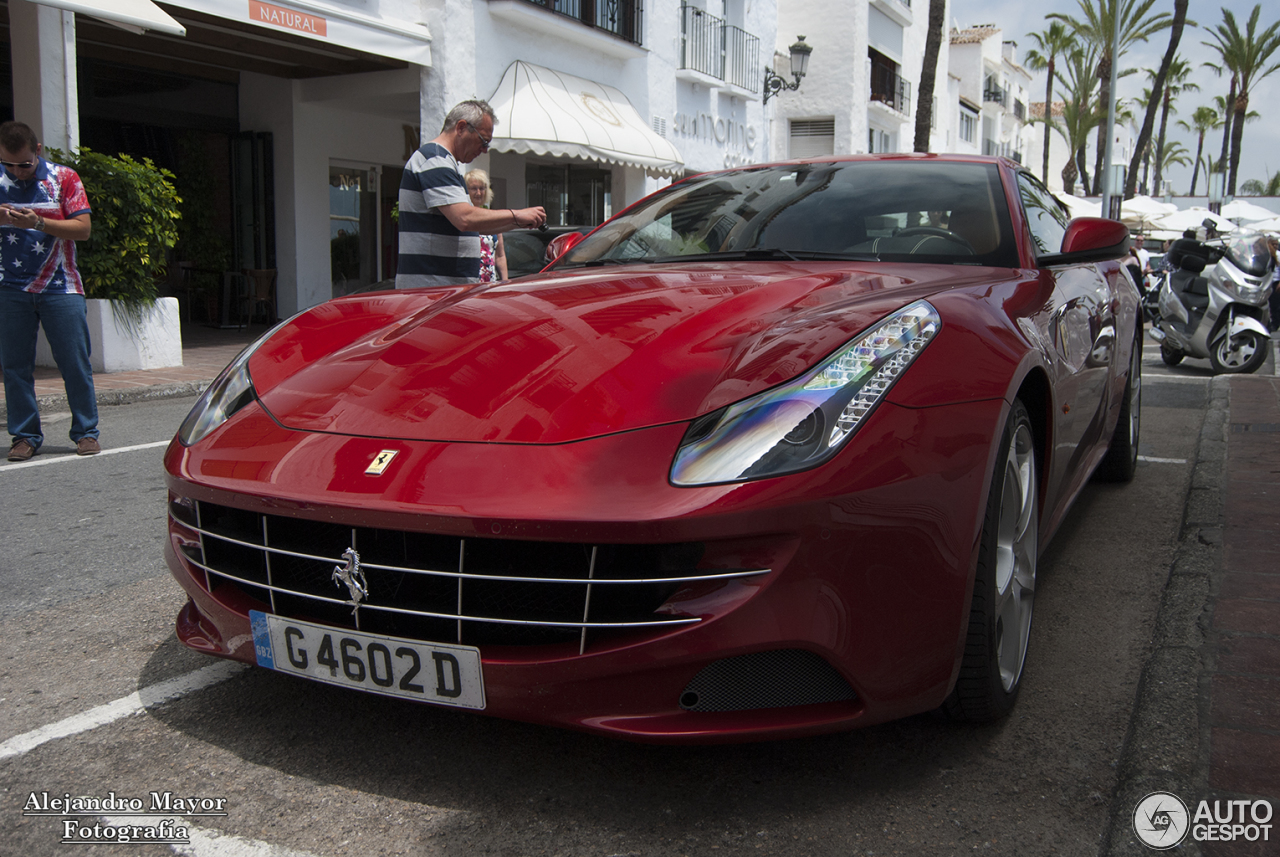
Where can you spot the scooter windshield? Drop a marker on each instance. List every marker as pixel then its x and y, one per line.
pixel 1249 253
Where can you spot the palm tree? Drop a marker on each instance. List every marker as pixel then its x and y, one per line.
pixel 1204 120
pixel 1158 88
pixel 1079 112
pixel 1248 55
pixel 1134 22
pixel 1175 84
pixel 1254 187
pixel 929 73
pixel 1172 154
pixel 1226 108
pixel 1050 43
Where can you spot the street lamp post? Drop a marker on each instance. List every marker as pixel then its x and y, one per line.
pixel 774 83
pixel 1217 186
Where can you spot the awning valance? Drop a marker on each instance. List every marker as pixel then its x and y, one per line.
pixel 546 112
pixel 326 24
pixel 136 16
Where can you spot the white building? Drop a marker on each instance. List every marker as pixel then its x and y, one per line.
pixel 289 121
pixel 860 91
pixel 991 105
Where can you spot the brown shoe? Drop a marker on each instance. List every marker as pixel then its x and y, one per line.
pixel 21 450
pixel 88 446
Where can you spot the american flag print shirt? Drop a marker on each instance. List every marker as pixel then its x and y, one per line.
pixel 34 261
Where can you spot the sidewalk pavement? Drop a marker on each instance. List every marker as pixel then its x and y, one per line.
pixel 205 351
pixel 1206 724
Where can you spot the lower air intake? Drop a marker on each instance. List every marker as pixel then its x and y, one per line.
pixel 777 679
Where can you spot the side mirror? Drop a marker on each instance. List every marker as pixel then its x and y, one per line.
pixel 1090 239
pixel 562 244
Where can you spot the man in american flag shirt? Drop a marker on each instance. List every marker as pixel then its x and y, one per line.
pixel 43 212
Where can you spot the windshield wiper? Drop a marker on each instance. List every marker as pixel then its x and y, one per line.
pixel 762 254
pixel 609 260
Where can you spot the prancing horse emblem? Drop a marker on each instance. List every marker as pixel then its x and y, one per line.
pixel 353 577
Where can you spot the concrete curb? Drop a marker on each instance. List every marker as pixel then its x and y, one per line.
pixel 1166 747
pixel 129 396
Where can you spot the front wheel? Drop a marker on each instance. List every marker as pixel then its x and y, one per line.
pixel 1170 355
pixel 1004 584
pixel 1243 353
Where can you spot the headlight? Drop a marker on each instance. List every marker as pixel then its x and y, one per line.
pixel 228 393
pixel 804 422
pixel 1251 294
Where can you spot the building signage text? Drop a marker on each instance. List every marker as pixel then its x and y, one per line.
pixel 738 138
pixel 278 16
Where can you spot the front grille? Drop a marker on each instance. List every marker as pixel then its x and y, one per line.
pixel 475 591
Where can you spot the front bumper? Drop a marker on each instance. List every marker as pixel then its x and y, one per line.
pixel 865 562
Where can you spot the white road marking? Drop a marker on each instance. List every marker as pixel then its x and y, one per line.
pixel 1150 460
pixel 40 461
pixel 110 712
pixel 206 843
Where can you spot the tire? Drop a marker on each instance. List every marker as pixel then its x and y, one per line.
pixel 1121 460
pixel 1170 356
pixel 1239 354
pixel 1004 582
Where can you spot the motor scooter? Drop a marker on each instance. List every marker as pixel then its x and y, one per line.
pixel 1213 303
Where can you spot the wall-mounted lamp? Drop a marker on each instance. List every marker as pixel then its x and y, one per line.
pixel 774 83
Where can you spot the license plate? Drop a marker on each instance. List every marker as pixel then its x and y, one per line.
pixel 392 666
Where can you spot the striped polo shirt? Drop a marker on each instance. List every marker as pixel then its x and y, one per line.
pixel 432 251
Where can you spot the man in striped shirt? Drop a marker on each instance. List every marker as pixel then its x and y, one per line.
pixel 439 227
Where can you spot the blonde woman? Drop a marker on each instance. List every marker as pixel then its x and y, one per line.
pixel 493 254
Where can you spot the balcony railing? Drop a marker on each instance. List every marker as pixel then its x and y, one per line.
pixel 723 51
pixel 889 87
pixel 1020 110
pixel 622 18
pixel 996 94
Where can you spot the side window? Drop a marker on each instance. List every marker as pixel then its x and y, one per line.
pixel 1047 217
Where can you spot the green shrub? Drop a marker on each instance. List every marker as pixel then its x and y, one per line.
pixel 135 214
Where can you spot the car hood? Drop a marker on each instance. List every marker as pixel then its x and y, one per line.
pixel 562 357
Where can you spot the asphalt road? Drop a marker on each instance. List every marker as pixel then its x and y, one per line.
pixel 88 659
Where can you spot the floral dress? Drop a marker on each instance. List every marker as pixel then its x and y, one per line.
pixel 488 252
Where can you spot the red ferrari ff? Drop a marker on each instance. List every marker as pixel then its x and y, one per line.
pixel 771 453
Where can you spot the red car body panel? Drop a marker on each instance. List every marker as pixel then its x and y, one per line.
pixel 550 409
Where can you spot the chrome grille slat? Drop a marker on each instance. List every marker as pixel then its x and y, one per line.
pixel 692 578
pixel 436 587
pixel 675 620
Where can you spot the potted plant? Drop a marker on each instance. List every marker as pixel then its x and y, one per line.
pixel 135 214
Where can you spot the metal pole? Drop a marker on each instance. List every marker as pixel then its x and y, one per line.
pixel 1107 190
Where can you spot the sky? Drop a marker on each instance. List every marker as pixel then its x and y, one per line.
pixel 1260 153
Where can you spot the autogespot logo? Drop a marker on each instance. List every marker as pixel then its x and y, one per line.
pixel 1160 821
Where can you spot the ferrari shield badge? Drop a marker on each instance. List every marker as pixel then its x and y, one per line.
pixel 380 462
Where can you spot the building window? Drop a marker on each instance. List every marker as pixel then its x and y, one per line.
pixel 812 138
pixel 887 85
pixel 879 141
pixel 623 18
pixel 968 126
pixel 712 46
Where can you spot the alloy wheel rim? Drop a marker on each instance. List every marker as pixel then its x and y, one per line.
pixel 1016 549
pixel 1237 351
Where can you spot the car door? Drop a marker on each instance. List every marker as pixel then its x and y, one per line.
pixel 1080 329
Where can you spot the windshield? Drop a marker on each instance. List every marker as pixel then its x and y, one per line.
pixel 1249 253
pixel 893 210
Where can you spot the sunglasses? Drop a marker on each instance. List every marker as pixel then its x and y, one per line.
pixel 25 165
pixel 484 141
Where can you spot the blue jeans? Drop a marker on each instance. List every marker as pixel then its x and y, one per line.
pixel 63 318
